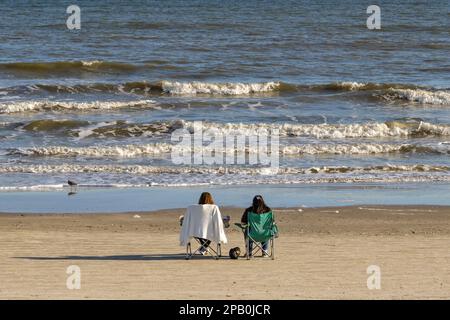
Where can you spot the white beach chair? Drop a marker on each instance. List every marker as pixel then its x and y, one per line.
pixel 203 222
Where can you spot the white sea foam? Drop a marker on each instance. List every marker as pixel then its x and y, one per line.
pixel 91 63
pixel 348 85
pixel 152 170
pixel 360 148
pixel 193 88
pixel 39 187
pixel 52 187
pixel 124 151
pixel 126 129
pixel 40 106
pixel 87 132
pixel 206 180
pixel 335 131
pixel 130 151
pixel 319 131
pixel 439 97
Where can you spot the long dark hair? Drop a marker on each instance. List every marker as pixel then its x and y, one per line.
pixel 259 206
pixel 206 198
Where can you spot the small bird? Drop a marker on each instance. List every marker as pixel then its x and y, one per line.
pixel 73 186
pixel 71 183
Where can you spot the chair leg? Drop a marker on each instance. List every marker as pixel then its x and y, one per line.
pixel 216 254
pixel 188 251
pixel 272 248
pixel 248 248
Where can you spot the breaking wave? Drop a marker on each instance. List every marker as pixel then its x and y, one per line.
pixel 158 88
pixel 151 170
pixel 55 106
pixel 334 131
pixel 439 97
pixel 120 128
pixel 125 151
pixel 360 86
pixel 193 88
pixel 385 91
pixel 320 131
pixel 359 149
pixel 394 92
pixel 130 151
pixel 123 129
pixel 198 87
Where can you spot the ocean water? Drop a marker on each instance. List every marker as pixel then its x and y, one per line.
pixel 114 200
pixel 99 105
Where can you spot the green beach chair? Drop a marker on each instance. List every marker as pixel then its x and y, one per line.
pixel 260 228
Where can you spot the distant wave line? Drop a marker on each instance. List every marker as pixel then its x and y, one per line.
pixel 385 92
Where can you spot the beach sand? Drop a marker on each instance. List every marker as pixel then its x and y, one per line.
pixel 322 253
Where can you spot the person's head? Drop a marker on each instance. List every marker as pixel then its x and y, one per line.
pixel 259 206
pixel 206 198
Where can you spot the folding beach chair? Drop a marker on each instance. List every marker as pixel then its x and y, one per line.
pixel 215 253
pixel 213 222
pixel 259 229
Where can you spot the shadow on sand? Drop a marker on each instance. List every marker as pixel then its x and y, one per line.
pixel 146 257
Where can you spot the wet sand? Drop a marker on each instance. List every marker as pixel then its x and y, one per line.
pixel 322 253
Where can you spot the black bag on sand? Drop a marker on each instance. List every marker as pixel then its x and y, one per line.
pixel 235 253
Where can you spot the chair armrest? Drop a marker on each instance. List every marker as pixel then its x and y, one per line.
pixel 241 226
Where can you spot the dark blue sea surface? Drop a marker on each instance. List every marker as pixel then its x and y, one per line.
pixel 99 105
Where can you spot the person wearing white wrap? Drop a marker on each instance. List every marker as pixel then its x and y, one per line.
pixel 204 222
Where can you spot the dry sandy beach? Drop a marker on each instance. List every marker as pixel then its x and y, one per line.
pixel 321 253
